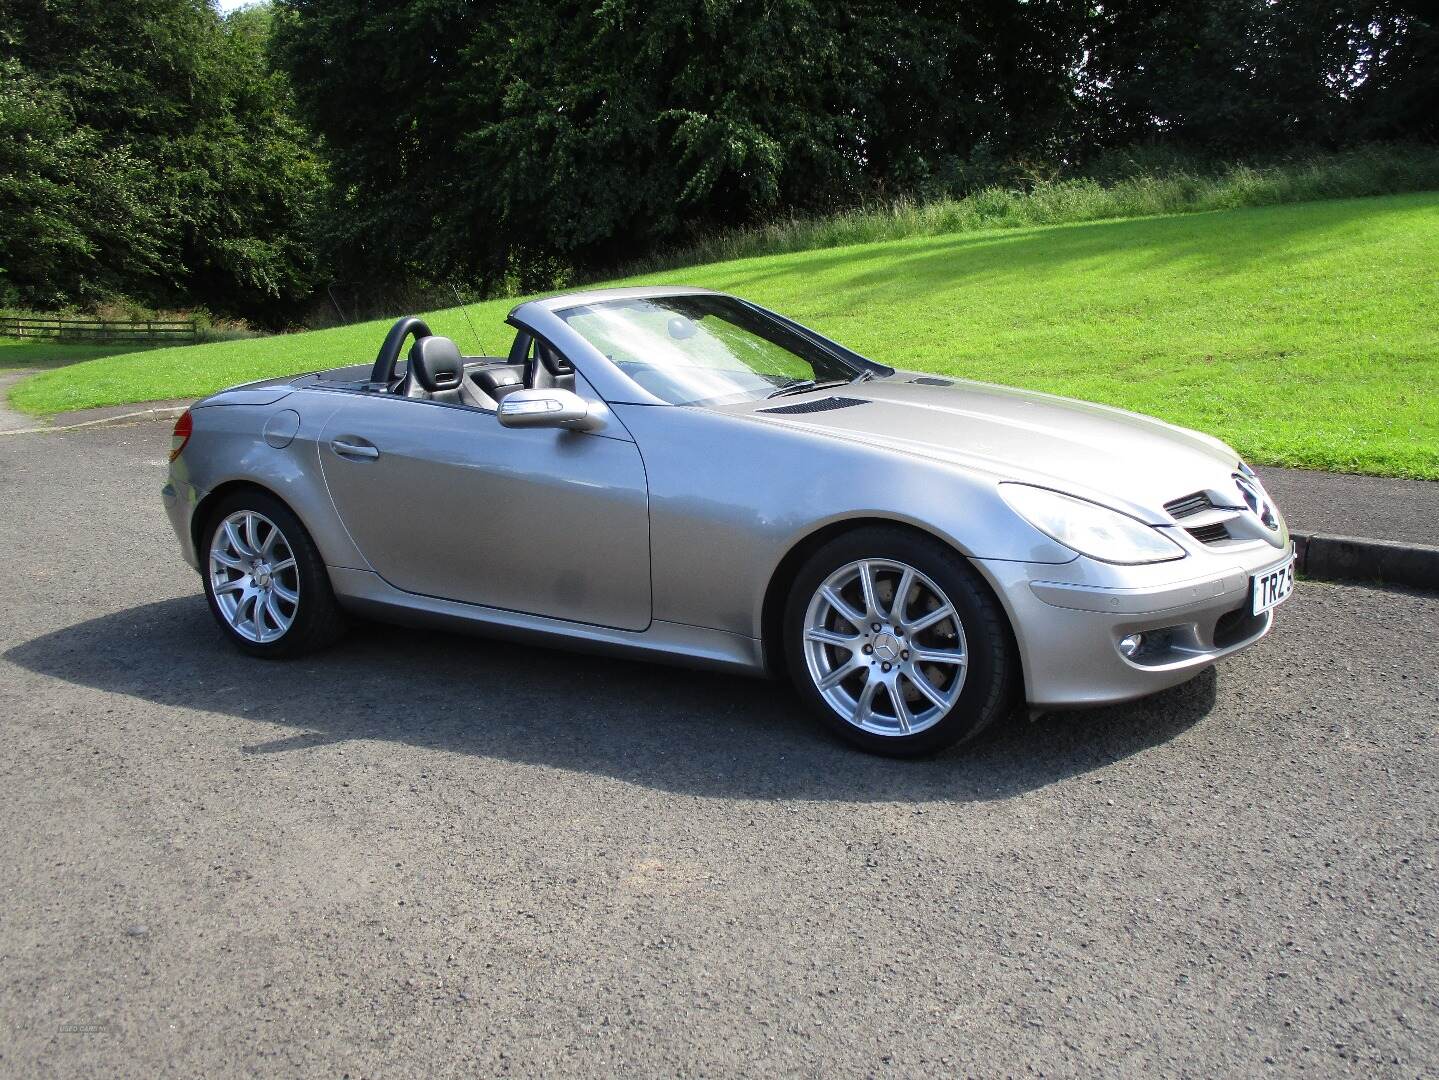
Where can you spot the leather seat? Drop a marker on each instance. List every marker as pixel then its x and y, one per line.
pixel 437 371
pixel 498 380
pixel 549 368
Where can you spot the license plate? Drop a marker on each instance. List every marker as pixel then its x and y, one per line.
pixel 1272 587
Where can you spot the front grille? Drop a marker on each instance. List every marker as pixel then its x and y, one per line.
pixel 822 405
pixel 1209 534
pixel 1189 505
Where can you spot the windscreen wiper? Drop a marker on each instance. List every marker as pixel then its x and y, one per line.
pixel 803 386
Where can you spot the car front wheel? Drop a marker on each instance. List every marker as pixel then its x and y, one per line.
pixel 897 644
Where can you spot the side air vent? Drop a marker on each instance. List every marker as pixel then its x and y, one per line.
pixel 822 405
pixel 1209 534
pixel 1208 521
pixel 1236 626
pixel 928 380
pixel 1189 505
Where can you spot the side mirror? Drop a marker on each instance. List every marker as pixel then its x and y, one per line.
pixel 547 408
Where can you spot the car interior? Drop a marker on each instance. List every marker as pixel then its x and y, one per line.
pixel 435 370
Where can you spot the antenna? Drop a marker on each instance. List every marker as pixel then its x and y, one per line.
pixel 465 312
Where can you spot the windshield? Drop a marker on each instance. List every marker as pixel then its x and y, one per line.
pixel 690 350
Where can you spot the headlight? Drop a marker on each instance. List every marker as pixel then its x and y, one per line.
pixel 1088 528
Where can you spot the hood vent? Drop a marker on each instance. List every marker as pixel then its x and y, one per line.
pixel 822 405
pixel 929 380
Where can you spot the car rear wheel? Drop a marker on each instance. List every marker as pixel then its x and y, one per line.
pixel 265 581
pixel 897 644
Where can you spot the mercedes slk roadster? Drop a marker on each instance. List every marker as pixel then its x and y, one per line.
pixel 679 474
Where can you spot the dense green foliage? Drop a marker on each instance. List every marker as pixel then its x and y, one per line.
pixel 1231 77
pixel 148 149
pixel 76 216
pixel 516 141
pixel 159 151
pixel 1304 335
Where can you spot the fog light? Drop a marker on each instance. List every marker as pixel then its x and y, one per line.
pixel 1131 645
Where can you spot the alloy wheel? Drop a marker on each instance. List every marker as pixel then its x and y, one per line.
pixel 254 577
pixel 885 647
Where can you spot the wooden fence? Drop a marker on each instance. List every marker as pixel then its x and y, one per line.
pixel 178 332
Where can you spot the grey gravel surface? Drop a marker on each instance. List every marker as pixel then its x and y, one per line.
pixel 1379 507
pixel 426 855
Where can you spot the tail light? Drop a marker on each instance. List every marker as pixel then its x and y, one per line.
pixel 181 435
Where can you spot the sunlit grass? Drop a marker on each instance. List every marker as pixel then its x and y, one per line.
pixel 18 353
pixel 1368 171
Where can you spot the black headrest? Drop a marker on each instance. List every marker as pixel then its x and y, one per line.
pixel 436 364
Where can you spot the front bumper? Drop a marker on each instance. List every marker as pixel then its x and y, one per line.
pixel 1069 629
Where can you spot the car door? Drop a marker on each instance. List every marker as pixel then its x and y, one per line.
pixel 443 501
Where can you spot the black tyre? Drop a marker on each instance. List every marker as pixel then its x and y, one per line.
pixel 264 578
pixel 897 644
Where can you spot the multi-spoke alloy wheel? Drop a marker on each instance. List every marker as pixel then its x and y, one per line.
pixel 265 579
pixel 885 647
pixel 254 577
pixel 897 643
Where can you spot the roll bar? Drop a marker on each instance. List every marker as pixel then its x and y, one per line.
pixel 389 354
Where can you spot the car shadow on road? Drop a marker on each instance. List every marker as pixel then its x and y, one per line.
pixel 667 728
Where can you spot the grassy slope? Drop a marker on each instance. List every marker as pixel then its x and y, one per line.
pixel 16 353
pixel 1305 335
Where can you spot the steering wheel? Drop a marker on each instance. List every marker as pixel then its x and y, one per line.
pixel 383 373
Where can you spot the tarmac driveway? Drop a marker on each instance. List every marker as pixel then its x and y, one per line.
pixel 422 854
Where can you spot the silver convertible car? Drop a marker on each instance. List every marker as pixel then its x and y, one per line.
pixel 676 473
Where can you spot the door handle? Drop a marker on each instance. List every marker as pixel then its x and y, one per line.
pixel 352 448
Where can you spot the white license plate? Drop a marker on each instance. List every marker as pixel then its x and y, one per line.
pixel 1272 587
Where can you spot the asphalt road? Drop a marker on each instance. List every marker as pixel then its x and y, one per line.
pixel 430 855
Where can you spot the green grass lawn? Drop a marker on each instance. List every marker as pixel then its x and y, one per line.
pixel 17 353
pixel 1304 335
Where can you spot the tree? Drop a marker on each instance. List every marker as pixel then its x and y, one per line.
pixel 77 220
pixel 471 139
pixel 153 146
pixel 175 171
pixel 1230 78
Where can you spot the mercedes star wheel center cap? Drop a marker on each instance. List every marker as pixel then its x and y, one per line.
pixel 886 648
